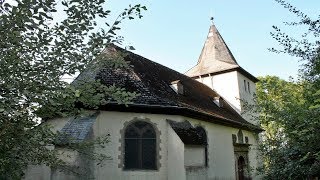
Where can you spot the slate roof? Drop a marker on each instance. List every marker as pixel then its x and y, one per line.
pixel 189 135
pixel 216 58
pixel 76 130
pixel 152 81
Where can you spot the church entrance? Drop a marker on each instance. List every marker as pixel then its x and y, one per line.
pixel 241 168
pixel 241 150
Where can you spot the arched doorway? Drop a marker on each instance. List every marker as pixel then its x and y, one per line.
pixel 241 159
pixel 241 168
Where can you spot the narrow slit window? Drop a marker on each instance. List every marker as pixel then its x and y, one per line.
pixel 249 87
pixel 245 85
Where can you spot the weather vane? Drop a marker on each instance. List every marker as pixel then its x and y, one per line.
pixel 211 17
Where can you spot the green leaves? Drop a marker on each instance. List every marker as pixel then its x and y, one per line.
pixel 39 47
pixel 294 106
pixel 290 128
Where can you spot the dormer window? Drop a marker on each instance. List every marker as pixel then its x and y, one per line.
pixel 177 87
pixel 218 101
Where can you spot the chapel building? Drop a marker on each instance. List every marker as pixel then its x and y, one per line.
pixel 180 127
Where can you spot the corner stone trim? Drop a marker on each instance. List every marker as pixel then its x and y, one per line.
pixel 121 140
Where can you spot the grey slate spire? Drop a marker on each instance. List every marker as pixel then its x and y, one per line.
pixel 215 56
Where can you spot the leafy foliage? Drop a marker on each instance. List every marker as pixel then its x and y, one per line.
pixel 290 110
pixel 305 47
pixel 289 142
pixel 37 52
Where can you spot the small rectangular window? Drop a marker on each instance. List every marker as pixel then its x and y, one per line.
pixel 245 85
pixel 249 87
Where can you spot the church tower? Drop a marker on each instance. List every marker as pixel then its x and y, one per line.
pixel 218 69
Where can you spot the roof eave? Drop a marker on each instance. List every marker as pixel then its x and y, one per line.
pixel 248 75
pixel 240 69
pixel 184 111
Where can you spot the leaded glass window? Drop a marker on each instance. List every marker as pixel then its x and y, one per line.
pixel 140 146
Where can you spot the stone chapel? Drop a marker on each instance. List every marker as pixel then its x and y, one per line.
pixel 181 126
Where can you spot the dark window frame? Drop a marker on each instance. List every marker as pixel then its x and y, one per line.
pixel 136 151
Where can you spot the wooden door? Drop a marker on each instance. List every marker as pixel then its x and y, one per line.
pixel 241 168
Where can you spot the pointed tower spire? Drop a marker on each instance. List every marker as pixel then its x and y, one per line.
pixel 215 55
pixel 218 69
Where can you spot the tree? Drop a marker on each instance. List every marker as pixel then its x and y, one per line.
pixel 291 129
pixel 37 51
pixel 289 111
pixel 305 47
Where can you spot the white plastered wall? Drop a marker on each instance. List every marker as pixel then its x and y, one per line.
pixel 221 152
pixel 231 87
pixel 194 155
pixel 226 85
pixel 109 122
pixel 176 168
pixel 247 97
pixel 221 163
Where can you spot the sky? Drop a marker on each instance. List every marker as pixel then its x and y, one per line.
pixel 172 33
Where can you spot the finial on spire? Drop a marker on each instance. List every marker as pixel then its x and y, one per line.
pixel 211 19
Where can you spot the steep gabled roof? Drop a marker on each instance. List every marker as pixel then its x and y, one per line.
pixel 216 57
pixel 152 81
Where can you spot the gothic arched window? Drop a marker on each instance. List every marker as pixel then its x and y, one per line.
pixel 140 146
